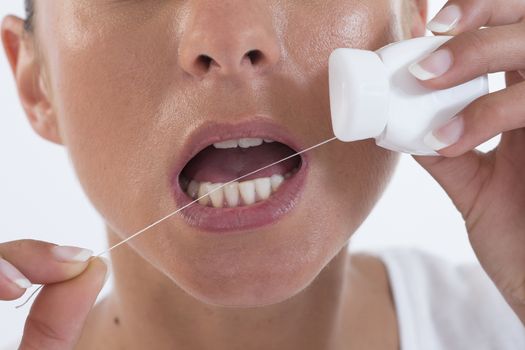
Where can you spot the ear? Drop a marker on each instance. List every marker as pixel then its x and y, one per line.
pixel 417 13
pixel 28 72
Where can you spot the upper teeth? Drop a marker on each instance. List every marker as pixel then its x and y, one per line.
pixel 243 143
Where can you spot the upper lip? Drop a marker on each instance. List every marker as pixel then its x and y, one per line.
pixel 213 132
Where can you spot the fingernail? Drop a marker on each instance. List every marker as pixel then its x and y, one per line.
pixel 11 273
pixel 434 65
pixel 447 135
pixel 446 19
pixel 108 269
pixel 71 254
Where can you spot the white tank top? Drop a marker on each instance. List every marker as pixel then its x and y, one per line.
pixel 441 306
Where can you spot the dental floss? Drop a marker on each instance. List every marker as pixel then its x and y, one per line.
pixel 186 206
pixel 373 95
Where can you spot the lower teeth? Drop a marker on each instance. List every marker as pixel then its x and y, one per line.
pixel 235 194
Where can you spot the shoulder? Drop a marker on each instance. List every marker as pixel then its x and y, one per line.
pixel 441 305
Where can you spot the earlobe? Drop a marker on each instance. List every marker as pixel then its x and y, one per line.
pixel 37 104
pixel 26 67
pixel 43 122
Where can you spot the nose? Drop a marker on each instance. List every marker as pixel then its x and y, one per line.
pixel 228 38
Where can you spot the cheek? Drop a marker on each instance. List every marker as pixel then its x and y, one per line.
pixel 351 176
pixel 347 186
pixel 339 23
pixel 109 93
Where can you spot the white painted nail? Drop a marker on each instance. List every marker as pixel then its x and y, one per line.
pixel 12 274
pixel 434 65
pixel 445 136
pixel 446 19
pixel 432 141
pixel 71 254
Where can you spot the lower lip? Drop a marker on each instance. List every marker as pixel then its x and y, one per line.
pixel 264 213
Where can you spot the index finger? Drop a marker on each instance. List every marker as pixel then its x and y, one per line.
pixel 27 261
pixel 459 16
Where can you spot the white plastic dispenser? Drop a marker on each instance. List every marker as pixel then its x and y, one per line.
pixel 373 95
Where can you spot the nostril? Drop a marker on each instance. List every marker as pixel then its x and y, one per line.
pixel 255 56
pixel 204 62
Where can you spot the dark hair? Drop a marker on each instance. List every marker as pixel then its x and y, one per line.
pixel 30 11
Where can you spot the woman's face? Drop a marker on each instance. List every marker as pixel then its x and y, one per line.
pixel 139 86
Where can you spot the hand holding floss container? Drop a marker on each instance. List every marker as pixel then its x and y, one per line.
pixel 373 95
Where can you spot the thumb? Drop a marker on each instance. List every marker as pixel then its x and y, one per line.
pixel 58 314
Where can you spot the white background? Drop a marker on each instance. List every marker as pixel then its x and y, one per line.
pixel 40 197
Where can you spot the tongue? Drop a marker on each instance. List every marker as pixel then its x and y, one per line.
pixel 223 165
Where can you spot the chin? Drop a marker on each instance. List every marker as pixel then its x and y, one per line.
pixel 239 282
pixel 247 294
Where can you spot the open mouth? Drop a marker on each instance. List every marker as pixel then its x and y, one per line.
pixel 218 153
pixel 227 160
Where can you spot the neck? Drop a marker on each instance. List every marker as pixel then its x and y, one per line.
pixel 146 308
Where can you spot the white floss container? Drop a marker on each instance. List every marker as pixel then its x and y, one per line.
pixel 373 95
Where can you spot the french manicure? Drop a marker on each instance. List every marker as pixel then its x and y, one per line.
pixel 12 274
pixel 434 65
pixel 446 19
pixel 71 254
pixel 447 135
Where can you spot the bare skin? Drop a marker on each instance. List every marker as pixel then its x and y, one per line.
pixel 118 83
pixel 342 307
